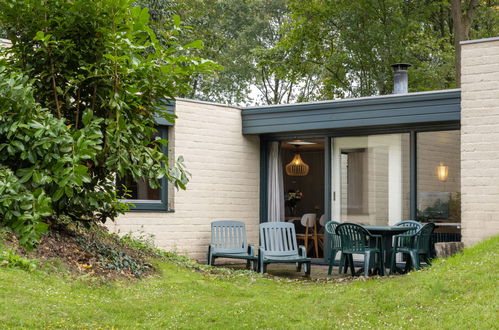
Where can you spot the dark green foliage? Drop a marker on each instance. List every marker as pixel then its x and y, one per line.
pixel 282 51
pixel 235 34
pixel 97 75
pixel 41 159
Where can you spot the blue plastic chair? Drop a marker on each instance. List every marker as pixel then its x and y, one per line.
pixel 278 245
pixel 228 240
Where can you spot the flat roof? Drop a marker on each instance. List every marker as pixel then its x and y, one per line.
pixel 353 99
pixel 385 111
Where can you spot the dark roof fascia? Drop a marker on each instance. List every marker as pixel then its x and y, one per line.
pixel 389 111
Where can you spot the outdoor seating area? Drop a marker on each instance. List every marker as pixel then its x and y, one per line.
pixel 364 250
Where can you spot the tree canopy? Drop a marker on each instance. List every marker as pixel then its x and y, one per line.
pixel 281 51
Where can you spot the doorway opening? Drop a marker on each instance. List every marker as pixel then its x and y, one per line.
pixel 303 168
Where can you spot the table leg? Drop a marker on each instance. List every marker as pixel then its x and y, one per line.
pixel 386 252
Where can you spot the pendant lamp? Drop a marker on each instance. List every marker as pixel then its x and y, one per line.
pixel 297 166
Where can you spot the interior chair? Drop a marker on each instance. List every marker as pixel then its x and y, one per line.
pixel 334 243
pixel 278 245
pixel 228 240
pixel 321 231
pixel 415 246
pixel 309 221
pixel 355 239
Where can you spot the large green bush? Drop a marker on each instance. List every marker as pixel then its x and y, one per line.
pixel 94 80
pixel 41 159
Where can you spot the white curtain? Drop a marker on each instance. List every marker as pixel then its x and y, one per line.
pixel 275 185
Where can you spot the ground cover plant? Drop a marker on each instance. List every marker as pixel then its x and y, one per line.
pixel 78 251
pixel 456 293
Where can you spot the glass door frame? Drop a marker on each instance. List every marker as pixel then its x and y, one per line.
pixel 394 144
pixel 328 148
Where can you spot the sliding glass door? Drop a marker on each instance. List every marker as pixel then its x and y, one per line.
pixel 370 177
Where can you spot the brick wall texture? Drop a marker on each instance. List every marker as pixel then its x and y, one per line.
pixel 480 140
pixel 224 186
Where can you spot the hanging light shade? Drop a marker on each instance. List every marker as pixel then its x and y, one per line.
pixel 443 172
pixel 297 167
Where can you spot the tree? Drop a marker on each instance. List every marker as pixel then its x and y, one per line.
pixel 354 42
pixel 98 68
pixel 278 77
pixel 291 50
pixel 464 14
pixel 238 35
pixel 462 19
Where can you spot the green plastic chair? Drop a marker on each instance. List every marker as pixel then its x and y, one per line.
pixel 278 245
pixel 334 243
pixel 414 246
pixel 408 223
pixel 228 240
pixel 355 239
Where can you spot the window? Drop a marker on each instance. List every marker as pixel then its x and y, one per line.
pixel 439 177
pixel 141 194
pixel 356 178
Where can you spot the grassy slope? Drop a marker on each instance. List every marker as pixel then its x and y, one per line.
pixel 460 292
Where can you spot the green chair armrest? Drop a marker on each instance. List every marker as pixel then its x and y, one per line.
pixel 251 250
pixel 302 252
pixel 261 253
pixel 398 237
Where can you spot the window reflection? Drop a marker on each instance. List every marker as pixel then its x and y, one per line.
pixel 439 177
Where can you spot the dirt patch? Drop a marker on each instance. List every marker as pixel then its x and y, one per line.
pixel 94 252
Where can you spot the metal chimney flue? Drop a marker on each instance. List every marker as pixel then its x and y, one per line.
pixel 400 80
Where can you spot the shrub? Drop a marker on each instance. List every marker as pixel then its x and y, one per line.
pixel 94 82
pixel 40 158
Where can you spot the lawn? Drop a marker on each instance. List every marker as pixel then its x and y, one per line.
pixel 460 292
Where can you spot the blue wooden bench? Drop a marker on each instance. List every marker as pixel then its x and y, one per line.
pixel 228 240
pixel 278 245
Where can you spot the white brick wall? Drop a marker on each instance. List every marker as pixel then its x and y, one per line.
pixel 480 140
pixel 225 181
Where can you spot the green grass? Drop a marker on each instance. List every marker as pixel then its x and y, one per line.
pixel 460 292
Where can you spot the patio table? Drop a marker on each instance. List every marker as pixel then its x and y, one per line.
pixel 387 232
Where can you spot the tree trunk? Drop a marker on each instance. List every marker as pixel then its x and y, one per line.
pixel 462 21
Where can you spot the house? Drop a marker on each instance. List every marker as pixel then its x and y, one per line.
pixel 431 156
